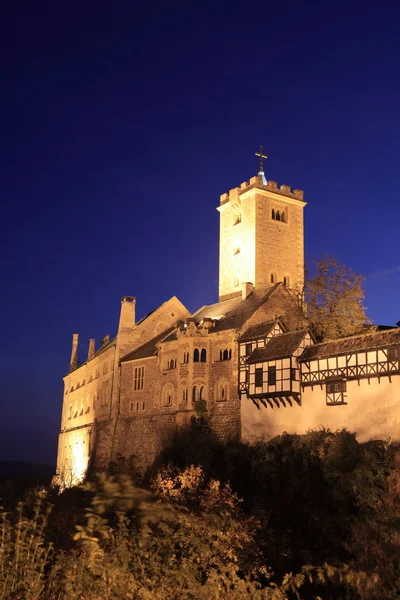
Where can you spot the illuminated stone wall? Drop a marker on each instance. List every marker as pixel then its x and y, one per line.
pixel 254 246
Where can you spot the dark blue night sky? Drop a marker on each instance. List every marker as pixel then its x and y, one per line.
pixel 121 125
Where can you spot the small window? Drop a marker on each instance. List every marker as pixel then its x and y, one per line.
pixel 196 355
pixel 272 375
pixel 225 354
pixel 186 357
pixel 237 218
pixel 286 281
pixel 202 393
pixel 293 374
pixel 221 392
pixel 194 394
pixel 203 355
pixel 393 353
pixel 184 397
pixel 259 377
pixel 273 214
pixel 131 406
pixel 283 216
pixel 273 278
pixel 249 349
pixel 335 392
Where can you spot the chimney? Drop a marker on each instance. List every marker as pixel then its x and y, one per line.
pixel 74 353
pixel 92 349
pixel 247 288
pixel 127 315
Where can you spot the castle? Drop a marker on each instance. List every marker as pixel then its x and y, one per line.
pixel 248 359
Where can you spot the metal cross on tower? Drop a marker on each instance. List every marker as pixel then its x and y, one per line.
pixel 261 155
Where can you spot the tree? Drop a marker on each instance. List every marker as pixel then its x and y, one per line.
pixel 334 299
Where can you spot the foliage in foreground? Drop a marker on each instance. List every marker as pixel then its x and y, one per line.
pixel 131 545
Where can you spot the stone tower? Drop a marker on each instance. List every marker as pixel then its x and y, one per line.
pixel 261 236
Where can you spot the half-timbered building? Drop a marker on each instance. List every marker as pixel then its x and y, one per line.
pixel 352 382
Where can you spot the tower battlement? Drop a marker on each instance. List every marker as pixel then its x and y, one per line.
pixel 256 182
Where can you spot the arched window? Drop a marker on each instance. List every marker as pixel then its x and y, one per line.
pixel 278 215
pixel 273 213
pixel 283 217
pixel 184 397
pixel 221 357
pixel 221 390
pixel 168 395
pixel 195 394
pixel 202 393
pixel 225 356
pixel 286 281
pixel 186 357
pixel 196 355
pixel 203 355
pixel 273 278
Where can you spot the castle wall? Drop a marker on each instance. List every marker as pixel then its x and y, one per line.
pixel 372 411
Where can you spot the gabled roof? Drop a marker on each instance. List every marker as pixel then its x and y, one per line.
pixel 355 343
pixel 148 349
pixel 259 331
pixel 234 312
pixel 280 346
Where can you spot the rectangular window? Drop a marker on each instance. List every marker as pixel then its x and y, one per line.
pixel 335 392
pixel 293 374
pixel 259 377
pixel 393 354
pixel 249 349
pixel 138 381
pixel 271 375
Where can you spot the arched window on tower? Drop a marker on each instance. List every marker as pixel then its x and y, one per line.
pixel 273 214
pixel 196 355
pixel 203 355
pixel 286 281
pixel 283 217
pixel 273 278
pixel 278 215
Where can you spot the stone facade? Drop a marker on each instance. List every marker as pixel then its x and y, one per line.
pixel 261 237
pixel 126 401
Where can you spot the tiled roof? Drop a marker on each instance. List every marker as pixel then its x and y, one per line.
pixel 148 349
pixel 234 312
pixel 257 331
pixel 356 343
pixel 280 346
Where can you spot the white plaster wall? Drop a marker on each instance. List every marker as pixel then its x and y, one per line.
pixel 372 411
